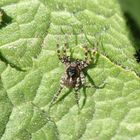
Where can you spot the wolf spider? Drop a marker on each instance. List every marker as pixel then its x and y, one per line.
pixel 73 76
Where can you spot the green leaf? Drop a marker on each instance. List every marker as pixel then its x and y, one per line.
pixel 31 71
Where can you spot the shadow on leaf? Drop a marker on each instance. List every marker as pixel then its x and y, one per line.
pixel 2 58
pixel 135 32
pixel 5 19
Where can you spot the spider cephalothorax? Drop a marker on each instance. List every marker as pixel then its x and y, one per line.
pixel 73 76
pixel 73 71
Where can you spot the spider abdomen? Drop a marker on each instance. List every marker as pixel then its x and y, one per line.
pixel 68 82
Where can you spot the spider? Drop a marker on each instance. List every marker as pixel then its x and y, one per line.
pixel 73 76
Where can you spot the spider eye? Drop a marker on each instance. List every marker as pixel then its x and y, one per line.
pixel 71 71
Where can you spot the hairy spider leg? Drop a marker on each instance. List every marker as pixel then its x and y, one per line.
pixel 64 58
pixel 65 49
pixel 87 53
pixel 77 96
pixel 76 89
pixel 83 80
pixel 94 52
pixel 58 51
pixel 57 94
pixel 67 58
pixel 86 62
pixel 58 91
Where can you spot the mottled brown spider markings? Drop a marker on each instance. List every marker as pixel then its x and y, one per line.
pixel 73 76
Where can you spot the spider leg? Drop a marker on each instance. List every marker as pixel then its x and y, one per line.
pixel 57 94
pixel 88 56
pixel 83 80
pixel 76 89
pixel 77 97
pixel 65 49
pixel 87 61
pixel 94 52
pixel 87 52
pixel 58 51
pixel 64 58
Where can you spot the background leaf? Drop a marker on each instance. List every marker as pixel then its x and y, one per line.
pixel 131 10
pixel 30 72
